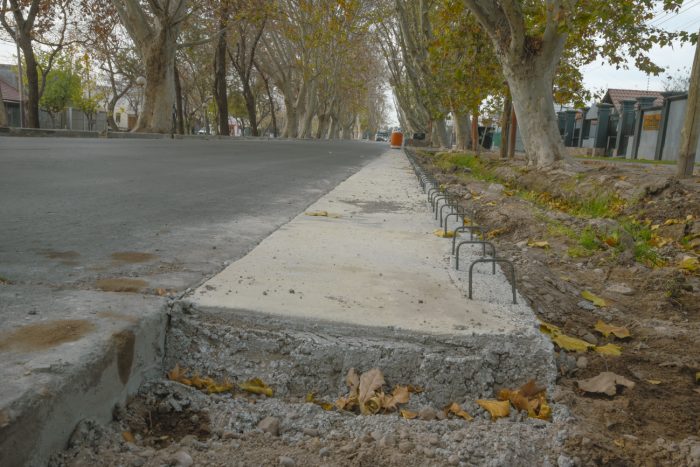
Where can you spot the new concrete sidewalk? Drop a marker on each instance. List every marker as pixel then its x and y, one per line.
pixel 374 266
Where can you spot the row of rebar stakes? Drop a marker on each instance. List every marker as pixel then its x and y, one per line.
pixel 445 204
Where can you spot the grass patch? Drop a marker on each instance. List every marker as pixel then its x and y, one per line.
pixel 589 239
pixel 644 252
pixel 579 252
pixel 448 161
pixel 603 205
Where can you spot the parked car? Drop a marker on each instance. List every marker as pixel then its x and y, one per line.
pixel 381 136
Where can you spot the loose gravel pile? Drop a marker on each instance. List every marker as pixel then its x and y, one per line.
pixel 172 424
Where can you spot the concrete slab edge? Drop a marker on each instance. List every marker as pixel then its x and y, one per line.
pixel 41 423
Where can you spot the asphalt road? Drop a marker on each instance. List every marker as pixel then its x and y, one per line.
pixel 167 212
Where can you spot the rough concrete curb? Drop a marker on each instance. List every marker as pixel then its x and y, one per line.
pixel 46 390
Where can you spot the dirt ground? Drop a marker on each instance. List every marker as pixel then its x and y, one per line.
pixel 621 231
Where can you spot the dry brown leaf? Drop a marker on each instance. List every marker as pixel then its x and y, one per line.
pixel 256 386
pixel 538 244
pixel 607 329
pixel 531 389
pixel 407 414
pixel 370 381
pixel 176 374
pixel 352 379
pixel 495 232
pixel 346 403
pixel 372 405
pixel 605 383
pixel 128 437
pixel 457 409
pixel 497 409
pixel 400 395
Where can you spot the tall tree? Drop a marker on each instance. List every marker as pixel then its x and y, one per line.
pixel 250 18
pixel 220 71
pixel 29 22
pixel 529 39
pixel 155 27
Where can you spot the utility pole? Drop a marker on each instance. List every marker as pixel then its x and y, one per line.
pixel 691 126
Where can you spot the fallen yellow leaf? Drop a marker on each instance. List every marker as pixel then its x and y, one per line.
pixel 407 414
pixel 689 263
pixel 496 232
pixel 619 442
pixel 538 244
pixel 607 329
pixel 256 386
pixel 457 409
pixel 571 344
pixel 311 397
pixel 611 350
pixel 591 297
pixel 128 437
pixel 549 329
pixel 653 381
pixel 497 409
pixel 322 214
pixel 442 234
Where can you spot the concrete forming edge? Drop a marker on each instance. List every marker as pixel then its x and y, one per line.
pixel 41 422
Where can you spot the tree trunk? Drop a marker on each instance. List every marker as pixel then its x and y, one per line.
pixel 323 123
pixel 273 115
pixel 334 132
pixel 309 112
pixel 220 89
pixel 32 108
pixel 534 105
pixel 3 112
pixel 291 124
pixel 251 108
pixel 691 126
pixel 110 113
pixel 159 92
pixel 178 103
pixel 462 130
pixel 441 133
pixel 512 133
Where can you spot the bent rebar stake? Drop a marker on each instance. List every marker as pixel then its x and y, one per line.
pixel 458 211
pixel 436 201
pixel 471 229
pixel 483 244
pixel 448 203
pixel 493 260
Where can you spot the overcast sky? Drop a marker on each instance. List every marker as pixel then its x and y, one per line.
pixel 596 75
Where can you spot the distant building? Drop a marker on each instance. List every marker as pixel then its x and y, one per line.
pixel 10 96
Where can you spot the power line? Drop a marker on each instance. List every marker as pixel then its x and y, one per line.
pixel 687 8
